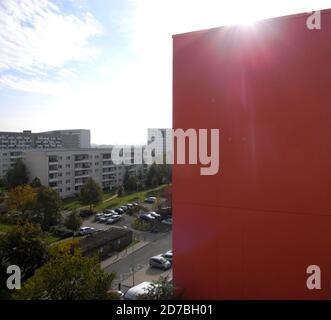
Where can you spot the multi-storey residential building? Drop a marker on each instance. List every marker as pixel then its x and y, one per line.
pixel 162 141
pixel 67 170
pixel 82 137
pixel 13 145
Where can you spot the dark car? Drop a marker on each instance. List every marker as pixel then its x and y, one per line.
pixel 146 217
pixel 119 210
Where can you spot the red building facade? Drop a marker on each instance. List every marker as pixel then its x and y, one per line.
pixel 252 230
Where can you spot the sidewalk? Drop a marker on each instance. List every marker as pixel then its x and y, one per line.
pixel 106 263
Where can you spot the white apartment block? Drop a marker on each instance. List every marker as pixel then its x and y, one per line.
pixel 13 145
pixel 83 136
pixel 8 158
pixel 162 141
pixel 67 170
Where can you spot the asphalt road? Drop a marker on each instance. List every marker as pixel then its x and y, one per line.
pixel 160 243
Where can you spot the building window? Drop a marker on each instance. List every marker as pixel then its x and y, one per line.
pixel 67 165
pixel 68 158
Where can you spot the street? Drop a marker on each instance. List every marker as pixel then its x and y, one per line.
pixel 159 243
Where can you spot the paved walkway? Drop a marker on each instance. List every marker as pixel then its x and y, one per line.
pixel 106 263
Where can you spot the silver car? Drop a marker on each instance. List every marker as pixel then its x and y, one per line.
pixel 159 262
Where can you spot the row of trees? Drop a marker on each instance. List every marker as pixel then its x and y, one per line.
pixel 156 175
pixel 57 272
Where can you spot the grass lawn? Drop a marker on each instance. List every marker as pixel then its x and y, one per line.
pixel 108 202
pixel 51 238
pixel 132 197
pixel 5 228
pixel 73 202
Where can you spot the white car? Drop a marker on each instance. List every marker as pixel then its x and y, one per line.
pixel 155 215
pixel 109 211
pixel 167 221
pixel 168 255
pixel 86 230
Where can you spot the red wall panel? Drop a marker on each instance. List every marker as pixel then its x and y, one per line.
pixel 252 230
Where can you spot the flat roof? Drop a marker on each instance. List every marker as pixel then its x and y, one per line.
pixel 270 19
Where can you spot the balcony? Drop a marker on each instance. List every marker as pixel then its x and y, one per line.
pixel 82 158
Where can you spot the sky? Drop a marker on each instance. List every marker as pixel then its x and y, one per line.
pixel 105 65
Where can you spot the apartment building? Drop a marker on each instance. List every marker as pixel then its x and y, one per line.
pixel 13 145
pixel 162 142
pixel 82 137
pixel 67 170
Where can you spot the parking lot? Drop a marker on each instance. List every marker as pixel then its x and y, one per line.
pixel 126 221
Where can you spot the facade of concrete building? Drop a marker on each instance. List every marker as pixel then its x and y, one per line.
pixel 82 137
pixel 67 170
pixel 13 145
pixel 162 142
pixel 8 158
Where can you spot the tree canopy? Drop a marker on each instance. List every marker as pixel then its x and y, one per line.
pixel 21 199
pixel 25 247
pixel 73 221
pixel 91 193
pixel 48 207
pixel 67 276
pixel 16 176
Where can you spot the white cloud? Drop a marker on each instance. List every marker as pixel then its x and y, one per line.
pixel 36 36
pixel 33 85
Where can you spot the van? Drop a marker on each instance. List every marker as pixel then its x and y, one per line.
pixel 134 292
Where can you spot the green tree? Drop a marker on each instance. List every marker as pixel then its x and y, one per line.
pixel 120 190
pixel 155 175
pixel 67 276
pixel 132 183
pixel 161 289
pixel 21 199
pixel 36 183
pixel 91 193
pixel 16 176
pixel 73 221
pixel 48 207
pixel 2 183
pixel 126 179
pixel 25 247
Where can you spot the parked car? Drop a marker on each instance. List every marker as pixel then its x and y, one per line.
pixel 140 289
pixel 124 208
pixel 167 221
pixel 85 213
pixel 98 216
pixel 85 230
pixel 146 217
pixel 159 262
pixel 119 210
pixel 113 219
pixel 107 211
pixel 135 204
pixel 155 215
pixel 109 215
pixel 150 200
pixel 130 205
pixel 103 219
pixel 168 255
